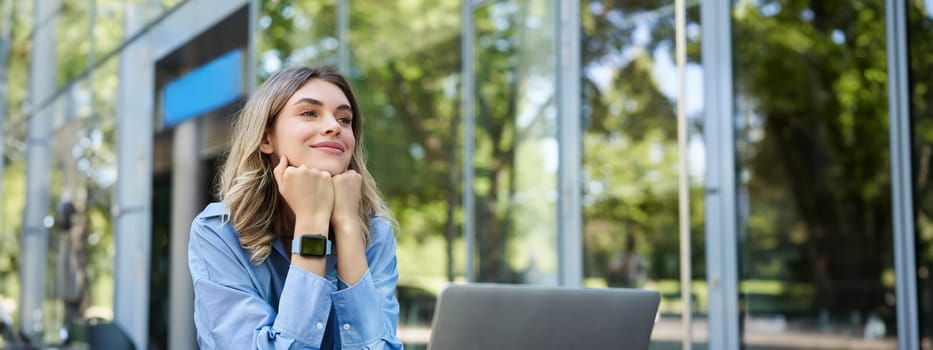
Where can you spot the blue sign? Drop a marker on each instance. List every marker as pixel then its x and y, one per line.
pixel 213 85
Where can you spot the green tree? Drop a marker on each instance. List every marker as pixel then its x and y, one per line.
pixel 291 33
pixel 812 88
pixel 411 102
pixel 515 77
pixel 630 138
pixel 920 46
pixel 14 165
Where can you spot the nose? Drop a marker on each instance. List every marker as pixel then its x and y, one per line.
pixel 332 126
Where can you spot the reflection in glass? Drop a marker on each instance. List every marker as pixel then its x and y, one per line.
pixel 53 308
pixel 630 153
pixel 67 274
pixel 405 68
pixel 72 47
pixel 515 162
pixel 168 4
pixel 80 269
pixel 96 161
pixel 13 200
pixel 815 241
pixel 18 65
pixel 13 169
pixel 920 50
pixel 107 26
pixel 295 33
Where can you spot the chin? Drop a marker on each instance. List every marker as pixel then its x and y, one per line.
pixel 332 169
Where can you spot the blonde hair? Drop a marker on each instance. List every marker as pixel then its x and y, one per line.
pixel 247 185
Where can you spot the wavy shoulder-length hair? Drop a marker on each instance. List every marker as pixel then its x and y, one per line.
pixel 247 185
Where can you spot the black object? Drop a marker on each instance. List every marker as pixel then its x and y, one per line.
pixel 108 336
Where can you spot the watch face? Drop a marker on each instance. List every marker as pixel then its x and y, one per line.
pixel 313 245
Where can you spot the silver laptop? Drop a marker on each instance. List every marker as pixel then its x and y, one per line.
pixel 488 316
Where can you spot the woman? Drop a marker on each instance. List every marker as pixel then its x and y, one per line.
pixel 300 253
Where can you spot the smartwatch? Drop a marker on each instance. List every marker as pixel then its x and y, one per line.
pixel 311 245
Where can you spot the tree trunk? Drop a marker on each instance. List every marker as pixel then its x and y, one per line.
pixel 847 239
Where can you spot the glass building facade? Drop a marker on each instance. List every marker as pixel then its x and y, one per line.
pixel 516 141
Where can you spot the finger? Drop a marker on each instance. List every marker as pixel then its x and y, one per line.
pixel 347 174
pixel 279 169
pixel 322 172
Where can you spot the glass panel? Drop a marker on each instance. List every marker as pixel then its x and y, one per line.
pixel 515 162
pixel 13 200
pixel 13 170
pixel 630 156
pixel 920 50
pixel 80 270
pixel 814 216
pixel 409 96
pixel 108 26
pixel 295 33
pixel 96 162
pixel 58 283
pixel 169 4
pixel 72 46
pixel 18 70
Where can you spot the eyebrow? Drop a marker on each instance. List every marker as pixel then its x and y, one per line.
pixel 319 103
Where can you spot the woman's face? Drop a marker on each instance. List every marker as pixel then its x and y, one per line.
pixel 313 129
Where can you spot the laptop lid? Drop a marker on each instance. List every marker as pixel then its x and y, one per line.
pixel 487 316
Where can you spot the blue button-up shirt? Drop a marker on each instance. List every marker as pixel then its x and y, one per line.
pixel 274 305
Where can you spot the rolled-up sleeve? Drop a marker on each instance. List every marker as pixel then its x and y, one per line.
pixel 367 312
pixel 230 312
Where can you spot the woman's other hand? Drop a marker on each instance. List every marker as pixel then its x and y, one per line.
pixel 348 227
pixel 346 200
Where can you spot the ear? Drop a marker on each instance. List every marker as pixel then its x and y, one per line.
pixel 266 145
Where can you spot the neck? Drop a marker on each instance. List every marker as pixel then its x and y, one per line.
pixel 289 225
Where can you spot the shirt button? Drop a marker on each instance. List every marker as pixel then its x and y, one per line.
pixel 319 325
pixel 346 326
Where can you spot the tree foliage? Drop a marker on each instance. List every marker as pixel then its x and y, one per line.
pixel 13 190
pixel 630 140
pixel 410 99
pixel 812 90
pixel 920 44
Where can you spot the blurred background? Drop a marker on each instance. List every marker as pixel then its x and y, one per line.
pixel 517 141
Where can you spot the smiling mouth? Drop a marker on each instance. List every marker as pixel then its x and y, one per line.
pixel 329 149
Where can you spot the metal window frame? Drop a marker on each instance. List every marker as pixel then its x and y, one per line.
pixel 466 108
pixel 908 336
pixel 569 141
pixel 683 185
pixel 35 235
pixel 719 134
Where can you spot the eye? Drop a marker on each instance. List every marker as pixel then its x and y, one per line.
pixel 345 120
pixel 307 113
